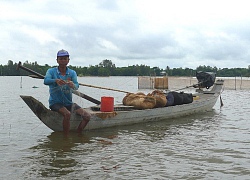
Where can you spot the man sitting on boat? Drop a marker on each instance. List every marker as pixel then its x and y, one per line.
pixel 61 81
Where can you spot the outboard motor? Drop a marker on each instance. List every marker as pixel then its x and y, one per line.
pixel 205 79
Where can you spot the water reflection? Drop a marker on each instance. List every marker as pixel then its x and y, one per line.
pixel 104 149
pixel 54 155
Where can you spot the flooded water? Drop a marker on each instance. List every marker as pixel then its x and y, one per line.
pixel 213 145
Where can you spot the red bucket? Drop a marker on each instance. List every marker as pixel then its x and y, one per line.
pixel 107 104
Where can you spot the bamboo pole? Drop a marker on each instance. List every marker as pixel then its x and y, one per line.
pixel 103 88
pixel 40 76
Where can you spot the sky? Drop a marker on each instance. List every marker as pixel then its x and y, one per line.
pixel 157 33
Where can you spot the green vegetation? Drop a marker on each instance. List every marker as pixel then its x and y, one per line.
pixel 107 68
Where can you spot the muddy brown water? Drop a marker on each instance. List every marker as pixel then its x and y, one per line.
pixel 212 145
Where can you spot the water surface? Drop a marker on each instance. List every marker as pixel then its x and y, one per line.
pixel 213 145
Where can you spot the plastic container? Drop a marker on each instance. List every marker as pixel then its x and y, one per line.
pixel 107 104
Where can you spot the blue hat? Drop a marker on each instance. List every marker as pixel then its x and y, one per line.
pixel 62 53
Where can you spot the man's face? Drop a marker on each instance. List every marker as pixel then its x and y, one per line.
pixel 63 60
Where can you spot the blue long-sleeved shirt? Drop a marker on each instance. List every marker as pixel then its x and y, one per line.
pixel 60 94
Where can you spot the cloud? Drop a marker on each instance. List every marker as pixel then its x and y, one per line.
pixel 128 32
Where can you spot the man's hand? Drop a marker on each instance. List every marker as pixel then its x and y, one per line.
pixel 60 82
pixel 70 84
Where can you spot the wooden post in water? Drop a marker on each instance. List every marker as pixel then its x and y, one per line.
pixel 21 82
pixel 235 82
pixel 240 81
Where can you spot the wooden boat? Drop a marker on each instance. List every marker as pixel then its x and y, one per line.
pixel 125 115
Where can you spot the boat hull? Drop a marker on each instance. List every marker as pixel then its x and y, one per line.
pixel 98 120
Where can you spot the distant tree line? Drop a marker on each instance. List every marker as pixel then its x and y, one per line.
pixel 107 68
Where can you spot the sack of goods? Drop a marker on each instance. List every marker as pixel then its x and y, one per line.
pixel 141 101
pixel 156 99
pixel 178 98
